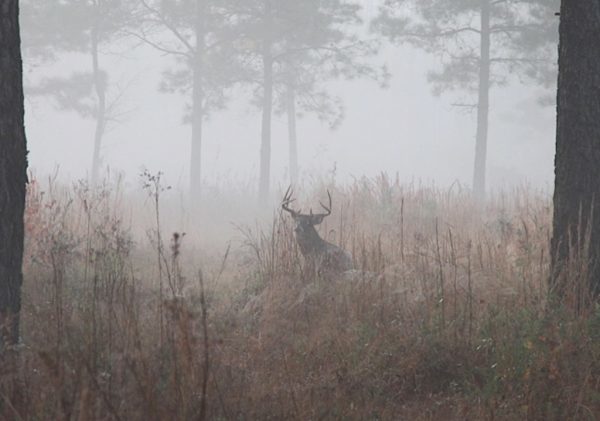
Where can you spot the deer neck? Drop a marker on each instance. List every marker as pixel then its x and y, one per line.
pixel 310 242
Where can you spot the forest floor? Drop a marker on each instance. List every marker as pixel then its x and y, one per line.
pixel 446 316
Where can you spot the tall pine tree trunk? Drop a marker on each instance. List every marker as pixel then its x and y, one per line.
pixel 197 105
pixel 196 146
pixel 267 109
pixel 100 89
pixel 577 162
pixel 483 104
pixel 13 172
pixel 292 134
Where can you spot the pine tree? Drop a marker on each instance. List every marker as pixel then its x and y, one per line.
pixel 197 35
pixel 481 44
pixel 291 49
pixel 53 29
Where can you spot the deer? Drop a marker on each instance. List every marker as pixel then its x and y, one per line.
pixel 326 258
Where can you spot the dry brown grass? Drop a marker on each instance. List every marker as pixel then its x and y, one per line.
pixel 445 318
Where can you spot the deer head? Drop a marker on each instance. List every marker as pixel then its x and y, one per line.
pixel 304 222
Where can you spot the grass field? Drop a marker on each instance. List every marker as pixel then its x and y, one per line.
pixel 446 317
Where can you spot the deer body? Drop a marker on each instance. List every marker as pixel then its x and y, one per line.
pixel 325 257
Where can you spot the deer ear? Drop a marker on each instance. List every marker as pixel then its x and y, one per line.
pixel 317 219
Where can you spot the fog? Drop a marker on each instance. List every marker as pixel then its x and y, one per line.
pixel 299 209
pixel 402 129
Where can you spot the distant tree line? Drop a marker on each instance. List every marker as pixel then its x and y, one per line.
pixel 285 52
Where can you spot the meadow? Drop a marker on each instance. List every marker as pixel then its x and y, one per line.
pixel 135 307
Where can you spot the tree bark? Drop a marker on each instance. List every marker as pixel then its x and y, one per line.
pixel 483 104
pixel 100 89
pixel 13 171
pixel 577 163
pixel 267 109
pixel 292 134
pixel 197 104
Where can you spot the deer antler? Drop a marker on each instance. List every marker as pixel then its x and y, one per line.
pixel 287 199
pixel 327 208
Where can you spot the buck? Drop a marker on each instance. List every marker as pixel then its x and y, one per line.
pixel 326 258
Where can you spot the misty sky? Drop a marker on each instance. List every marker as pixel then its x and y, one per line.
pixel 403 129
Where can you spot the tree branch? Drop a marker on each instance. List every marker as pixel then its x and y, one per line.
pixel 174 30
pixel 518 60
pixel 157 46
pixel 441 34
pixel 512 28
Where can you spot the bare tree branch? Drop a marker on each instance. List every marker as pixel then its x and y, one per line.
pixel 171 28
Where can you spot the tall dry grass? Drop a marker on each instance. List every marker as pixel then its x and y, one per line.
pixel 128 317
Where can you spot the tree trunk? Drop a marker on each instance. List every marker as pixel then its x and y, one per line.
pixel 267 109
pixel 13 172
pixel 100 89
pixel 577 162
pixel 196 147
pixel 197 105
pixel 483 104
pixel 291 113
